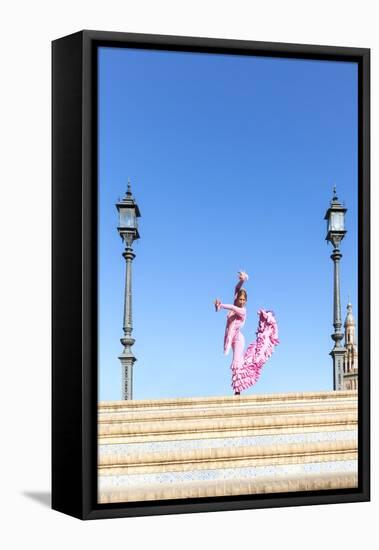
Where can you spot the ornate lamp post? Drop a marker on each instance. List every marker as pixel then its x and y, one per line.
pixel 335 219
pixel 128 229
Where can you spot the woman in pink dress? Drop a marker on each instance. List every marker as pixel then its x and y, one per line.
pixel 246 366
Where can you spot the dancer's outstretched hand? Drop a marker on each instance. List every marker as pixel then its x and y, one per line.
pixel 217 304
pixel 243 276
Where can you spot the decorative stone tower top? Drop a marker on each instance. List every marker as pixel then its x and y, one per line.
pixel 350 368
pixel 349 324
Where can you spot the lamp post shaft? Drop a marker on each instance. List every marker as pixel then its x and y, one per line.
pixel 128 323
pixel 127 357
pixel 337 323
pixel 338 351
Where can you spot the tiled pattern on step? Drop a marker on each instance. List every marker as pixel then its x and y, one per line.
pixel 151 446
pixel 139 480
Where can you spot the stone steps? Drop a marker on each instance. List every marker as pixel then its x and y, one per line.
pixel 172 446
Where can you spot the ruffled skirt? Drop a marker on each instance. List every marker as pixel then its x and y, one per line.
pixel 243 375
pixel 246 367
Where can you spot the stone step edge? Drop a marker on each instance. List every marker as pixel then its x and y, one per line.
pixel 189 426
pixel 228 463
pixel 221 434
pixel 213 453
pixel 250 458
pixel 182 401
pixel 221 488
pixel 181 414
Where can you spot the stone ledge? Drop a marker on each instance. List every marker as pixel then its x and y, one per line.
pixel 234 457
pixel 222 424
pixel 125 439
pixel 240 462
pixel 190 489
pixel 232 411
pixel 199 401
pixel 221 453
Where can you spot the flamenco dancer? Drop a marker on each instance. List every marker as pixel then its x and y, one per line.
pixel 246 366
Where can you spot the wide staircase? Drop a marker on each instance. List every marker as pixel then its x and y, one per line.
pixel 216 446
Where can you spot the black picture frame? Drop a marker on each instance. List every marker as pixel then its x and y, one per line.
pixel 74 272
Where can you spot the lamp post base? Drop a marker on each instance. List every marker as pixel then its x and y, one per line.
pixel 127 362
pixel 338 355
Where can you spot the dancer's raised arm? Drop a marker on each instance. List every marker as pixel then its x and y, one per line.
pixel 239 301
pixel 243 276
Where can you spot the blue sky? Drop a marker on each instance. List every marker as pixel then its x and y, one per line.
pixel 232 161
